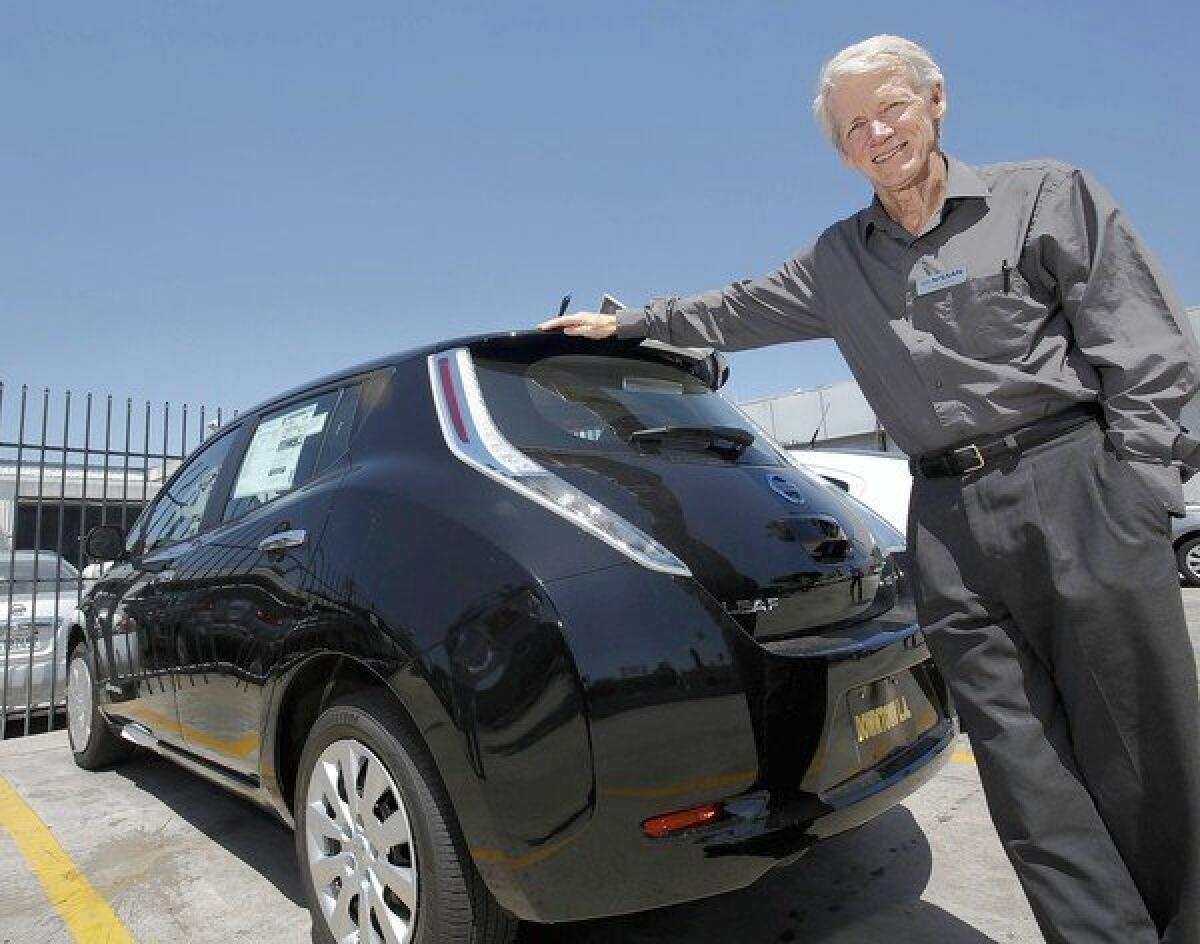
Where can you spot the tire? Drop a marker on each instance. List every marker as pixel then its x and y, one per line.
pixel 1187 555
pixel 93 743
pixel 405 850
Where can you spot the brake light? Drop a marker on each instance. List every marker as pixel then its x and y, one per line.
pixel 658 826
pixel 472 436
pixel 452 399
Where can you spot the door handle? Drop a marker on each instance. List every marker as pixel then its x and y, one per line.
pixel 282 540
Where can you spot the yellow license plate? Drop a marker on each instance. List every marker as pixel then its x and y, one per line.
pixel 881 719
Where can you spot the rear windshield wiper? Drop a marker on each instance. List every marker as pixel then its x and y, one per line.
pixel 725 440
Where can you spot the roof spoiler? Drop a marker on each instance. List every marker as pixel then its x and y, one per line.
pixel 709 365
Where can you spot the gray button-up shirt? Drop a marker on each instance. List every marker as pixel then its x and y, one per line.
pixel 1027 294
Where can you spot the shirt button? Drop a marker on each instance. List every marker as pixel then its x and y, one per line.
pixel 938 383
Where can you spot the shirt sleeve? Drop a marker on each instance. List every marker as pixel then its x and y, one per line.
pixel 1127 323
pixel 782 305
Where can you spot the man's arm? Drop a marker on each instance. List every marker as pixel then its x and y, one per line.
pixel 780 306
pixel 1127 322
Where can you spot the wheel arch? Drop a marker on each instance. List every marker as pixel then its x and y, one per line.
pixel 303 695
pixel 325 677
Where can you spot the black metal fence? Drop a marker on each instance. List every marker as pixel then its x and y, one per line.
pixel 66 467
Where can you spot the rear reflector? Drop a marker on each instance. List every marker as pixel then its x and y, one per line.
pixel 658 826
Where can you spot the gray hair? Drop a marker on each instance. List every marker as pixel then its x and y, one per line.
pixel 873 55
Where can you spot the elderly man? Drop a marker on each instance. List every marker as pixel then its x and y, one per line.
pixel 1018 341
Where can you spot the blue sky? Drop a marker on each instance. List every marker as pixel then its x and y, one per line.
pixel 211 201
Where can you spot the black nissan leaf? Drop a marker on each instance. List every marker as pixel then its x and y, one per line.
pixel 511 628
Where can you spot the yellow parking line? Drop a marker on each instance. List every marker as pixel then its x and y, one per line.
pixel 86 915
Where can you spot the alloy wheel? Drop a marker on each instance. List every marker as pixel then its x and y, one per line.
pixel 1191 561
pixel 361 851
pixel 79 702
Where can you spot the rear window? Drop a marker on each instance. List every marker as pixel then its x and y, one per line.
pixel 582 403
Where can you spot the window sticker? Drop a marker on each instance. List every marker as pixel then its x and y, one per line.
pixel 274 453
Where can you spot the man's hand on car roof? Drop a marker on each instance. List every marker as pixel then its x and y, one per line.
pixel 584 324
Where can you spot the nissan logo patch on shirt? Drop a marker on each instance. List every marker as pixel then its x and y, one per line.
pixel 941 280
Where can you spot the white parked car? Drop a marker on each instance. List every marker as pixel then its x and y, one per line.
pixel 879 480
pixel 34 620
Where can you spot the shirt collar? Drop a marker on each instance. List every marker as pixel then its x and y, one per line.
pixel 962 181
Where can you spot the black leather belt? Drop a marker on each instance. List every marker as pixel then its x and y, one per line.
pixel 974 456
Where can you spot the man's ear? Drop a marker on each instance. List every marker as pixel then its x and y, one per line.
pixel 937 99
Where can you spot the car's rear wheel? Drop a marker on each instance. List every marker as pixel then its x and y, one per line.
pixel 380 854
pixel 1187 555
pixel 93 743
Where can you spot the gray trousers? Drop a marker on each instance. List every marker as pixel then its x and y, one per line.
pixel 1049 595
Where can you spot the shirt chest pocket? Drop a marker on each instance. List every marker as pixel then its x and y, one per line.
pixel 987 317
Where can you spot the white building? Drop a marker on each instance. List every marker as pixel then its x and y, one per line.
pixel 836 416
pixel 33 508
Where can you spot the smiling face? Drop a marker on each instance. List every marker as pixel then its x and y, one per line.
pixel 886 130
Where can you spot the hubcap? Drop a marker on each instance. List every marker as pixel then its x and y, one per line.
pixel 1192 560
pixel 79 703
pixel 361 854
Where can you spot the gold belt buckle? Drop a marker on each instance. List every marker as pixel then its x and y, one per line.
pixel 978 459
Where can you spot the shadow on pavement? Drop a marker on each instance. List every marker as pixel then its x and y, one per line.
pixel 859 888
pixel 250 833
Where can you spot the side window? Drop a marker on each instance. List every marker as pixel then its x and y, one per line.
pixel 282 456
pixel 178 512
pixel 337 437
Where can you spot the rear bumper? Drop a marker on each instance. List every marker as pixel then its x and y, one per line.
pixel 881 788
pixel 684 709
pixel 755 836
pixel 760 835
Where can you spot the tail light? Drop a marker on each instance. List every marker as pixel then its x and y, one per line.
pixel 473 437
pixel 670 823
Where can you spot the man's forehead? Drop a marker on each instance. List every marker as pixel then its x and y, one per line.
pixel 852 92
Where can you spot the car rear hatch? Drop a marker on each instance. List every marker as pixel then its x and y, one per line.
pixel 642 435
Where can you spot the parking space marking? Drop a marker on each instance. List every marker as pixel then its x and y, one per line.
pixel 87 916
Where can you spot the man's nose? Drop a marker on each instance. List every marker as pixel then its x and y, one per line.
pixel 879 128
